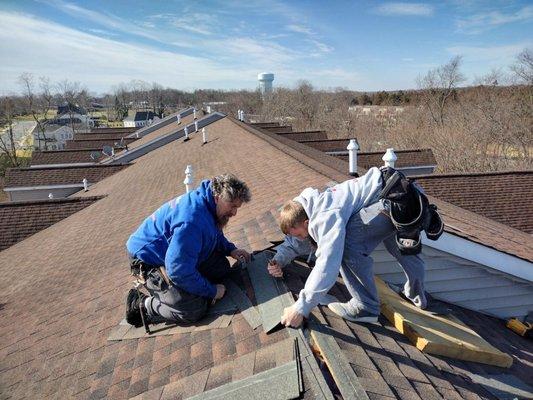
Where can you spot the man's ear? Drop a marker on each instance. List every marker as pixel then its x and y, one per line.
pixel 216 199
pixel 306 224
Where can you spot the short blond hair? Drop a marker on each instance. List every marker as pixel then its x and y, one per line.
pixel 291 214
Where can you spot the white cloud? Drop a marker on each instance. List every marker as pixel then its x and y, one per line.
pixel 504 54
pixel 479 23
pixel 49 49
pixel 397 8
pixel 299 29
pixel 109 21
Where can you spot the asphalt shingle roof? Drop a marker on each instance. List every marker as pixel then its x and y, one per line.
pixel 406 158
pixel 28 177
pixel 60 303
pixel 502 196
pixel 63 156
pixel 96 143
pixel 18 220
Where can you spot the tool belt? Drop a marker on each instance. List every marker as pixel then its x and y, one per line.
pixel 410 211
pixel 140 269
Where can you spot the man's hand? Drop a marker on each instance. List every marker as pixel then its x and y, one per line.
pixel 291 317
pixel 241 255
pixel 221 290
pixel 275 269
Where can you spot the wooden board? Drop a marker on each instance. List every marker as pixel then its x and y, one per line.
pixel 437 334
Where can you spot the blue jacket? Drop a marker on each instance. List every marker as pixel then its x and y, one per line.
pixel 180 235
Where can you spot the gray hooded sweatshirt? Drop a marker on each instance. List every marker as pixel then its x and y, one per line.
pixel 328 214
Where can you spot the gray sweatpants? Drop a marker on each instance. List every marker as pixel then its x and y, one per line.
pixel 364 232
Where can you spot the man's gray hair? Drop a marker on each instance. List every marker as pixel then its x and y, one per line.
pixel 230 188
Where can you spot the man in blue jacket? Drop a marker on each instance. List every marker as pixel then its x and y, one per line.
pixel 182 251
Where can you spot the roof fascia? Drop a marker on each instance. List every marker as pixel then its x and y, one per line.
pixel 481 254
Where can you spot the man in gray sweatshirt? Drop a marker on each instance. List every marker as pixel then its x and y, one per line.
pixel 342 225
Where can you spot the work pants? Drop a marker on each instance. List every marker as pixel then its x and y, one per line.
pixel 173 304
pixel 364 232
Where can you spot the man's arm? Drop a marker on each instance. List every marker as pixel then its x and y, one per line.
pixel 331 233
pixel 291 248
pixel 181 261
pixel 224 244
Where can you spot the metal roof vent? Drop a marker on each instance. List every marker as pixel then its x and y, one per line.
pixel 85 185
pixel 204 136
pixel 50 196
pixel 186 132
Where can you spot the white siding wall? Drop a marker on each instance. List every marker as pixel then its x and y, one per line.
pixel 464 283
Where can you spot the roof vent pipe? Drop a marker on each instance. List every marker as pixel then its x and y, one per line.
pixel 242 115
pixel 50 196
pixel 186 131
pixel 188 178
pixel 239 114
pixel 179 119
pixel 85 185
pixel 204 136
pixel 194 113
pixel 196 126
pixel 390 158
pixel 352 156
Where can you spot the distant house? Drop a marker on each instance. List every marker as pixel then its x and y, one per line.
pixel 140 119
pixel 66 108
pixel 55 137
pixel 81 122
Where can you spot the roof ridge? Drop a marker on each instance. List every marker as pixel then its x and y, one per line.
pixel 49 201
pixel 466 174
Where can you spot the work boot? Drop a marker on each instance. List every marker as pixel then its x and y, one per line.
pixel 344 311
pixel 134 302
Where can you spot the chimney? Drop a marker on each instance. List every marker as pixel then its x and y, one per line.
pixel 390 158
pixel 352 157
pixel 204 136
pixel 188 178
pixel 85 185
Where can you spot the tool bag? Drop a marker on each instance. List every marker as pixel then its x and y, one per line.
pixel 410 211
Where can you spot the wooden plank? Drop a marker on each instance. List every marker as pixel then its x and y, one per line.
pixel 437 334
pixel 338 365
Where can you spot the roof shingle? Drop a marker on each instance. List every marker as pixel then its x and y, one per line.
pixel 42 176
pixel 502 196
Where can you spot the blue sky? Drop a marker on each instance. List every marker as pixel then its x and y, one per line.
pixel 360 45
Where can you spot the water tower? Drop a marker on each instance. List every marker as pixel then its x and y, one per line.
pixel 265 82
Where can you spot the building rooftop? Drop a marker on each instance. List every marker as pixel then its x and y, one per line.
pixel 19 220
pixel 502 196
pixel 43 176
pixel 60 304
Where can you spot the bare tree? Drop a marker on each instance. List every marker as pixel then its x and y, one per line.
pixel 439 85
pixel 7 138
pixel 38 104
pixel 74 96
pixel 523 68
